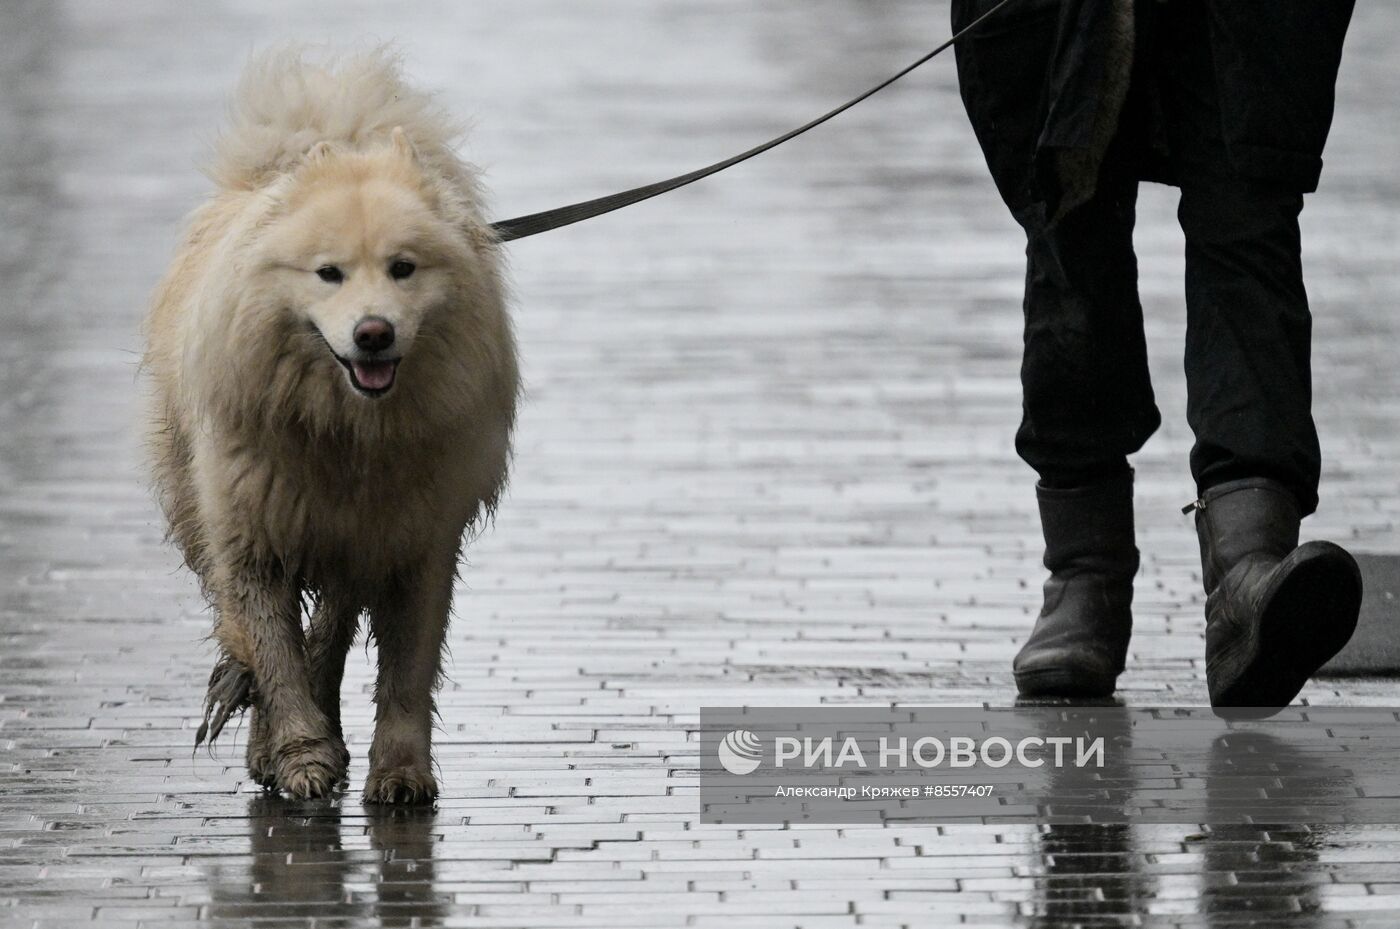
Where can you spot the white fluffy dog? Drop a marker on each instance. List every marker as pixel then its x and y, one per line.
pixel 335 384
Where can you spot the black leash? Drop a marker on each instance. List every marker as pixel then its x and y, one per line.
pixel 522 226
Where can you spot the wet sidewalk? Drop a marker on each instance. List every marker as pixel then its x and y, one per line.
pixel 764 458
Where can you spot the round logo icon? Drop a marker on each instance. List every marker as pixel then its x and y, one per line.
pixel 740 752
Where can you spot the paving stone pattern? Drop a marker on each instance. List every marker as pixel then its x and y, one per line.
pixel 765 458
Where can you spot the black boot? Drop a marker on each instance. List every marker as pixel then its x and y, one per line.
pixel 1276 611
pixel 1080 640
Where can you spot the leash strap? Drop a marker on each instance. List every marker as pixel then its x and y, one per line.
pixel 509 229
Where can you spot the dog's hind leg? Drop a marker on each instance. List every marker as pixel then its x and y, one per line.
pixel 231 691
pixel 409 625
pixel 333 627
pixel 260 627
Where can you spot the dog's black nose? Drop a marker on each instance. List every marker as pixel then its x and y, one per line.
pixel 374 334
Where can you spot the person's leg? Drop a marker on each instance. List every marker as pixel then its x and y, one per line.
pixel 1087 404
pixel 1249 329
pixel 1248 336
pixel 1275 611
pixel 1087 398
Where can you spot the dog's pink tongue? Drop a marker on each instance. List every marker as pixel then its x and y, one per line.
pixel 374 375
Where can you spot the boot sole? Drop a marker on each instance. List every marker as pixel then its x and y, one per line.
pixel 1308 616
pixel 1064 682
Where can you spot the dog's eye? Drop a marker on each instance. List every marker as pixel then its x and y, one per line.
pixel 330 274
pixel 401 269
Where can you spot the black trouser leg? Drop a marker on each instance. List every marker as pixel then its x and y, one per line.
pixel 1248 328
pixel 1248 336
pixel 1087 395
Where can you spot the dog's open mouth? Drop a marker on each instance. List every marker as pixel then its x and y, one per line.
pixel 371 378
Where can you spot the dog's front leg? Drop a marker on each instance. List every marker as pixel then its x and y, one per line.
pixel 408 628
pixel 333 627
pixel 259 610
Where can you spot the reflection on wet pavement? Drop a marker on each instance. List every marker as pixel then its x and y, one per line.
pixel 312 860
pixel 1228 874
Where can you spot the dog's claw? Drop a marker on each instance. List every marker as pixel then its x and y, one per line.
pixel 310 768
pixel 260 769
pixel 405 785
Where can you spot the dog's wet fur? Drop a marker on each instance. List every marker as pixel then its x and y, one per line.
pixel 299 462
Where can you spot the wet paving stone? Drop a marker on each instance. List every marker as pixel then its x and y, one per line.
pixel 765 458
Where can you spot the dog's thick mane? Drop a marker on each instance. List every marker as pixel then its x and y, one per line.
pixel 286 103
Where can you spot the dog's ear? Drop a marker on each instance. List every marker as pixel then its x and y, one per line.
pixel 403 145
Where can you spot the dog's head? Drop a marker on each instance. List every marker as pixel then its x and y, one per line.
pixel 361 253
pixel 382 288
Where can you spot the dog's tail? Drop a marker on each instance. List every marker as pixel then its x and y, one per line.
pixel 284 105
pixel 230 693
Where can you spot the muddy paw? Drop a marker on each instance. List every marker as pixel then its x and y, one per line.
pixel 310 768
pixel 405 784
